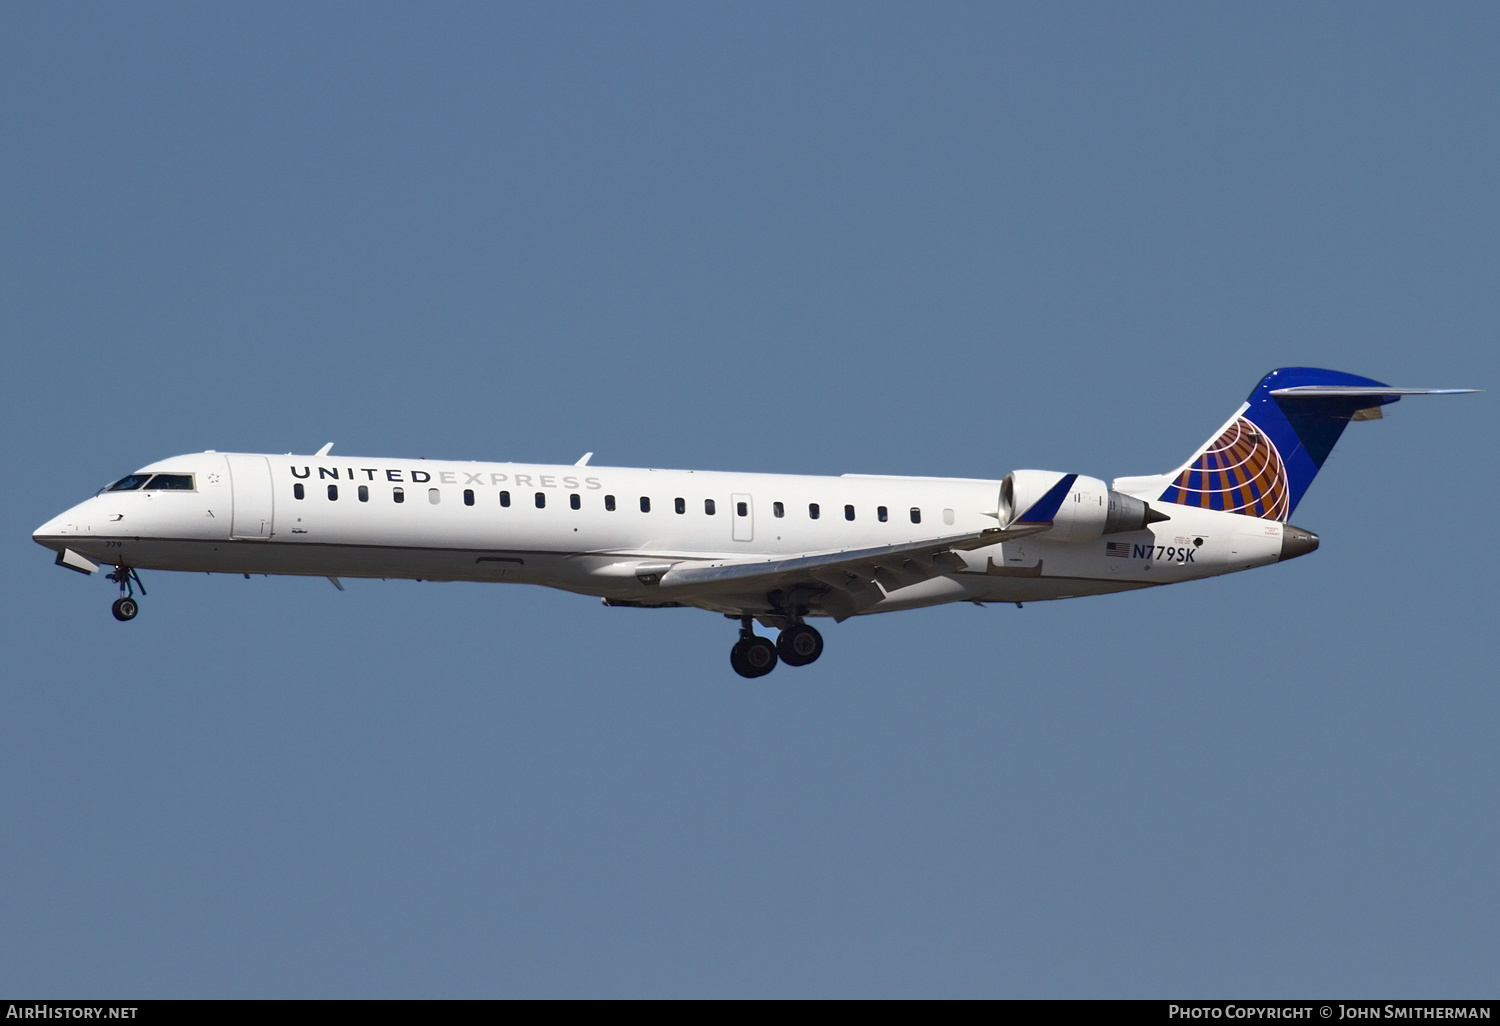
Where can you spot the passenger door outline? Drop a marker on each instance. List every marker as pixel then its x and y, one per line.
pixel 253 498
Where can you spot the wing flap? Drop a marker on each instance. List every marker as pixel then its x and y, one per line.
pixel 917 558
pixel 852 579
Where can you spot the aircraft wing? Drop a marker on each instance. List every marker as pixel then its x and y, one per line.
pixel 850 580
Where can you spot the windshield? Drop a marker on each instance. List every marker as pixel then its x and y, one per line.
pixel 152 482
pixel 174 482
pixel 129 483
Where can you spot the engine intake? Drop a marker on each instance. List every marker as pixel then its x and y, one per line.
pixel 1077 508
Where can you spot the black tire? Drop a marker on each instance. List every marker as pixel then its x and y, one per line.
pixel 753 657
pixel 125 609
pixel 737 660
pixel 759 656
pixel 799 645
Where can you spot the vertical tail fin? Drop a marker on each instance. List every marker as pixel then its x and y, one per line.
pixel 1264 459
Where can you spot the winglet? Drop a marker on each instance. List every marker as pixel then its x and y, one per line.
pixel 584 461
pixel 324 451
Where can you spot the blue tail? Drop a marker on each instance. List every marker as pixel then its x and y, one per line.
pixel 1263 461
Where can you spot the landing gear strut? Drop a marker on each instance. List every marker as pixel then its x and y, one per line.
pixel 752 655
pixel 126 606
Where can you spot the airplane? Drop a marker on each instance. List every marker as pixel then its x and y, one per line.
pixel 759 548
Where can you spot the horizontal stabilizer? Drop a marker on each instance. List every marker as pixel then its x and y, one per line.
pixel 1352 391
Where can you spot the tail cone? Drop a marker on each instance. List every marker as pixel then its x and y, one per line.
pixel 1296 542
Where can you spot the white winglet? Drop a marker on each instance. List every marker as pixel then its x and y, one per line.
pixel 324 451
pixel 585 461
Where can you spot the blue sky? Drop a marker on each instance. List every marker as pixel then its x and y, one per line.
pixel 821 238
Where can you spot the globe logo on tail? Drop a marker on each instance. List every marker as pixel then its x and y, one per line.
pixel 1239 472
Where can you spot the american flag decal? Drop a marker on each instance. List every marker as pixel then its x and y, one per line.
pixel 1121 549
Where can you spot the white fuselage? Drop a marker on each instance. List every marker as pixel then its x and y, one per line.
pixel 244 515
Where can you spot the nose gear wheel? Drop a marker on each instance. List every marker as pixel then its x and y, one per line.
pixel 125 607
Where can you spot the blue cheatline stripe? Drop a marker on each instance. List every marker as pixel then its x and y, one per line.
pixel 1044 510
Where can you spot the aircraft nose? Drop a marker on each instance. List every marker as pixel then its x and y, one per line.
pixel 49 532
pixel 55 532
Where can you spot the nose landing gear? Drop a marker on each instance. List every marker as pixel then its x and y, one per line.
pixel 125 607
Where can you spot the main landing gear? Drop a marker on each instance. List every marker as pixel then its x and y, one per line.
pixel 126 606
pixel 755 656
pixel 799 645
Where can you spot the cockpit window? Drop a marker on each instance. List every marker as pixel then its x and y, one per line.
pixel 171 482
pixel 129 483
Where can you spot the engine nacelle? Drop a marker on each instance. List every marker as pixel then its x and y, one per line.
pixel 1076 508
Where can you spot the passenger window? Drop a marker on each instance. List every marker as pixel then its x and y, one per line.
pixel 397 495
pixel 813 511
pixel 645 504
pixel 679 504
pixel 434 496
pixel 709 507
pixel 778 510
pixel 468 496
pixel 364 493
pixel 609 503
pixel 129 484
pixel 171 482
pixel 505 499
pixel 742 509
pixel 880 514
pixel 333 493
pixel 916 515
pixel 848 512
pixel 541 500
pixel 948 516
pixel 297 491
pixel 575 501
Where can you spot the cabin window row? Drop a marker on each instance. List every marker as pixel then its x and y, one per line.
pixel 575 501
